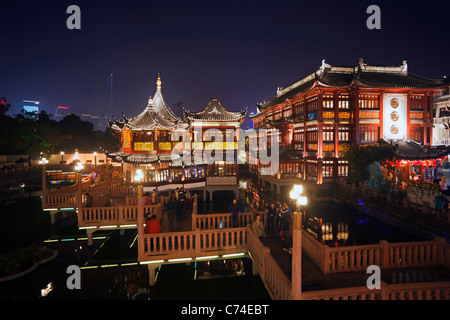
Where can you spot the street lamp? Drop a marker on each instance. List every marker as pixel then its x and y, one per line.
pixel 296 279
pixel 95 160
pixel 138 177
pixel 78 168
pixel 62 157
pixel 44 162
pixel 296 196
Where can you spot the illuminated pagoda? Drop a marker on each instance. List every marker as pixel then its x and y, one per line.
pixel 362 104
pixel 155 137
pixel 215 128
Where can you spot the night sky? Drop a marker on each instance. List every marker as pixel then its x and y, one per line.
pixel 236 51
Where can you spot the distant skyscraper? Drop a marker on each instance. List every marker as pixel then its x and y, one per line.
pixel 30 106
pixel 91 118
pixel 61 112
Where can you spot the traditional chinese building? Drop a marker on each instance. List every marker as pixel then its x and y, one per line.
pixel 335 105
pixel 215 135
pixel 441 128
pixel 170 151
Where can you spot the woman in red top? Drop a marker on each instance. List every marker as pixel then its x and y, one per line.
pixel 152 225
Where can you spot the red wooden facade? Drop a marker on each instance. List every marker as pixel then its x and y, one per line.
pixel 334 106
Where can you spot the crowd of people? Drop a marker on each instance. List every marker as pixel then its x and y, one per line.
pixel 279 221
pixel 279 216
pixel 180 201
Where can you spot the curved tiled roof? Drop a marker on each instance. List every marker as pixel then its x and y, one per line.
pixel 214 111
pixel 411 150
pixel 363 75
pixel 157 115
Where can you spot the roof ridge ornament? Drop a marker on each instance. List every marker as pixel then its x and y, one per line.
pixel 362 65
pixel 150 102
pixel 324 66
pixel 404 66
pixel 158 82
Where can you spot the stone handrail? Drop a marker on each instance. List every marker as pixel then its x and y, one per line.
pixel 223 220
pixel 270 272
pixel 113 216
pixel 68 197
pixel 385 255
pixel 424 253
pixel 403 291
pixel 60 199
pixel 191 244
pixel 314 249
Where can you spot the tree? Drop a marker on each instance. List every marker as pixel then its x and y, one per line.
pixel 360 157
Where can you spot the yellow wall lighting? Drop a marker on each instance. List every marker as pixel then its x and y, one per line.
pixel 206 258
pixel 179 259
pixel 232 255
pixel 154 261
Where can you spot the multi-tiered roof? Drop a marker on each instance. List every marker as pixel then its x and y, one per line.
pixel 157 115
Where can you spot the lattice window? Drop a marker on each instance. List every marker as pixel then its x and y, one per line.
pixel 368 101
pixel 328 134
pixel 327 169
pixel 299 108
pixel 344 134
pixel 416 134
pixel 287 111
pixel 368 134
pixel 299 135
pixel 343 102
pixel 312 105
pixel 416 103
pixel 328 101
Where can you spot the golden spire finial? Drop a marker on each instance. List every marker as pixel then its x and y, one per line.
pixel 158 82
pixel 150 102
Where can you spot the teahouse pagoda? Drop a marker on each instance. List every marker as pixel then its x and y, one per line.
pixel 148 141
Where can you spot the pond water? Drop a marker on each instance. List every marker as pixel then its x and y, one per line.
pixel 342 225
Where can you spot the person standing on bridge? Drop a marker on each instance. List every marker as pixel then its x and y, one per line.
pixel 152 225
pixel 271 212
pixel 258 227
pixel 234 209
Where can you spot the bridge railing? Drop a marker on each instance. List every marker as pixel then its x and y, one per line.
pixel 224 220
pixel 402 291
pixel 270 272
pixel 191 244
pixel 114 215
pixel 67 197
pixel 384 254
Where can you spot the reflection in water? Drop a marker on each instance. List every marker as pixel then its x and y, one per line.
pixel 219 268
pixel 323 231
pixel 340 225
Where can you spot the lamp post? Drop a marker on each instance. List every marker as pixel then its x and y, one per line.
pixel 299 201
pixel 78 168
pixel 44 162
pixel 139 176
pixel 62 157
pixel 95 160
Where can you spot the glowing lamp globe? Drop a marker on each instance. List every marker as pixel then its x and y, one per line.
pixel 302 200
pixel 298 188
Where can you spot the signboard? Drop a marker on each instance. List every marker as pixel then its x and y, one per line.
pixel 126 141
pixel 394 116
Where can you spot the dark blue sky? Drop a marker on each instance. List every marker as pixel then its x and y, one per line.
pixel 236 51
